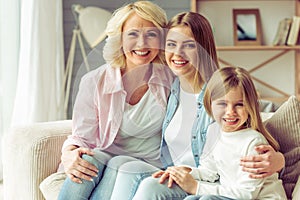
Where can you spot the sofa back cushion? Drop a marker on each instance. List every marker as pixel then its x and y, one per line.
pixel 284 125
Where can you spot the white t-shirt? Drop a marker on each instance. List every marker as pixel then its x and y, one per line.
pixel 178 133
pixel 140 132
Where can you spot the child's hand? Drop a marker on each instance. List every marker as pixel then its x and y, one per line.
pixel 162 174
pixel 181 176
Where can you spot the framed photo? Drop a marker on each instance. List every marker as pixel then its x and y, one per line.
pixel 247 27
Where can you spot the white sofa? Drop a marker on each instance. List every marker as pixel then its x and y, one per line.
pixel 32 152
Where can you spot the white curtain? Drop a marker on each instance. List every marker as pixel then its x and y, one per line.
pixel 9 53
pixel 41 63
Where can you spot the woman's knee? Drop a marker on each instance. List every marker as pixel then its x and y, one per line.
pixel 90 159
pixel 137 167
pixel 213 197
pixel 99 159
pixel 149 186
pixel 192 197
pixel 200 197
pixel 118 161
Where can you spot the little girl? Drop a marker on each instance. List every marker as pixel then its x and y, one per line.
pixel 231 99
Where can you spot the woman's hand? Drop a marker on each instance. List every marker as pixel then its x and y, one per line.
pixel 265 164
pixel 75 167
pixel 183 178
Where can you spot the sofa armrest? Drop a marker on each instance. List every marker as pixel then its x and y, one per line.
pixel 30 154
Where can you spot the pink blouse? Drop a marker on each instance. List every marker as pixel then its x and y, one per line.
pixel 99 105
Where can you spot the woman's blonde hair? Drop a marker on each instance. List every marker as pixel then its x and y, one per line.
pixel 203 35
pixel 149 11
pixel 228 78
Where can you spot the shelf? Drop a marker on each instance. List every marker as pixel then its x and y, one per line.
pixel 194 6
pixel 257 48
pixel 282 50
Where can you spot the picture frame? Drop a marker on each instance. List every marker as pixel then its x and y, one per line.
pixel 247 27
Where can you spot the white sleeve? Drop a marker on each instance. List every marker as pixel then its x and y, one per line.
pixel 244 188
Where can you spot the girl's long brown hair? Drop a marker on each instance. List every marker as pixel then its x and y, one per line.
pixel 227 78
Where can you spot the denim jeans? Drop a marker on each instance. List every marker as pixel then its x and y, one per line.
pixel 101 187
pixel 150 189
pixel 129 177
pixel 206 197
pixel 118 178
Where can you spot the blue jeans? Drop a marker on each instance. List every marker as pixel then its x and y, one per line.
pixel 101 187
pixel 129 176
pixel 150 189
pixel 206 197
pixel 118 178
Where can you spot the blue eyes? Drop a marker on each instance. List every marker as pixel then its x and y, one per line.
pixel 189 45
pixel 170 44
pixel 148 34
pixel 132 34
pixel 151 34
pixel 225 104
pixel 184 46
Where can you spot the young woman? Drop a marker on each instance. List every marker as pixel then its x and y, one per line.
pixel 231 99
pixel 191 54
pixel 120 106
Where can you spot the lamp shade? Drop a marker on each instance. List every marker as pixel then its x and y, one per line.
pixel 92 22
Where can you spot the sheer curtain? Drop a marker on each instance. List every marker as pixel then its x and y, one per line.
pixel 41 63
pixel 31 63
pixel 9 53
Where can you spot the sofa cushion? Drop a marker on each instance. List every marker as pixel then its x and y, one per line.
pixel 296 192
pixel 284 125
pixel 51 186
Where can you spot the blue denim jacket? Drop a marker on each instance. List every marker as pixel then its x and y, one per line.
pixel 199 128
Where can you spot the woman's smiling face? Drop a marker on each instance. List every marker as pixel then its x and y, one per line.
pixel 181 50
pixel 141 41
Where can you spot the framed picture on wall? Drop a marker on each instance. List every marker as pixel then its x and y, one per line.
pixel 247 27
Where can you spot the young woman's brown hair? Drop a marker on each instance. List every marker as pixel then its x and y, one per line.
pixel 203 34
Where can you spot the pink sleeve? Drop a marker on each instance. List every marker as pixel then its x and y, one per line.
pixel 85 115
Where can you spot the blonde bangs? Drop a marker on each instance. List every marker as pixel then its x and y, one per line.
pixel 113 51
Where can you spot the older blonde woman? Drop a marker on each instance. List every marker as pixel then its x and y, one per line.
pixel 120 106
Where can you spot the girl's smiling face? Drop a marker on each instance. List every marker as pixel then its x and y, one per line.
pixel 181 51
pixel 230 111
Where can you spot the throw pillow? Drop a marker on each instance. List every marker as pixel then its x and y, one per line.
pixel 284 126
